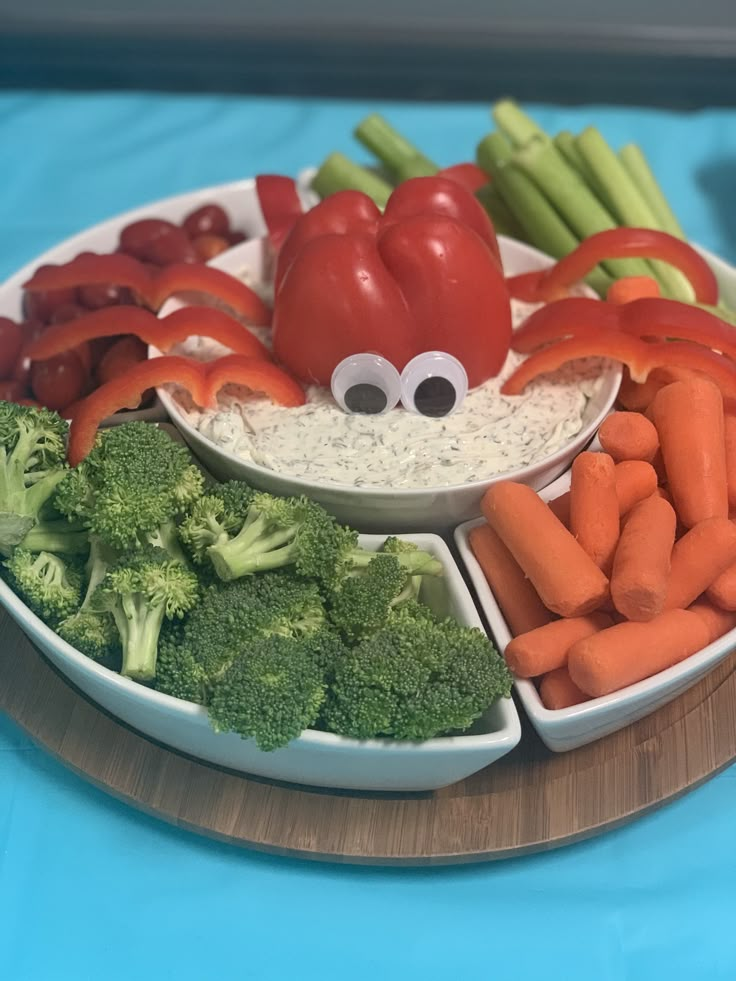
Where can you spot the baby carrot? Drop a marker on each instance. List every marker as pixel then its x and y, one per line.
pixel 638 396
pixel 729 426
pixel 537 651
pixel 698 559
pixel 629 652
pixel 628 436
pixel 689 420
pixel 722 591
pixel 565 577
pixel 522 608
pixel 641 567
pixel 594 514
pixel 560 507
pixel 718 621
pixel 635 480
pixel 558 691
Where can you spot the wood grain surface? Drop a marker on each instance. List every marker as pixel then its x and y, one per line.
pixel 529 801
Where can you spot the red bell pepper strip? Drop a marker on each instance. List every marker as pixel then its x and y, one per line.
pixel 639 356
pixel 441 197
pixel 161 332
pixel 663 318
pixel 526 286
pixel 261 377
pixel 564 318
pixel 468 175
pixel 622 243
pixel 154 288
pixel 280 206
pixel 125 392
pixel 421 277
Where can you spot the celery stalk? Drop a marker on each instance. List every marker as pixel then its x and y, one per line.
pixel 401 157
pixel 629 206
pixel 339 173
pixel 514 123
pixel 640 172
pixel 503 218
pixel 576 203
pixel 543 227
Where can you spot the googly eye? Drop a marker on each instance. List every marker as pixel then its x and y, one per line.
pixel 433 384
pixel 367 384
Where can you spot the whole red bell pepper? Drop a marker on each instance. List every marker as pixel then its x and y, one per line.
pixel 424 276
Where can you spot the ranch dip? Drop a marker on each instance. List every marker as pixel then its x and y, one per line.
pixel 489 434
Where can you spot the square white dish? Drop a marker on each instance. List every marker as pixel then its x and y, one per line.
pixel 315 758
pixel 565 729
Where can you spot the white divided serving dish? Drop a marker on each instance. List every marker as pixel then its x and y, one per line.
pixel 315 758
pixel 566 729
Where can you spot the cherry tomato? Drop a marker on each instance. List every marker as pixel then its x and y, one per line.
pixel 11 341
pixel 11 390
pixel 40 306
pixel 210 219
pixel 157 241
pixel 58 381
pixel 65 312
pixel 104 295
pixel 235 238
pixel 30 330
pixel 124 354
pixel 208 246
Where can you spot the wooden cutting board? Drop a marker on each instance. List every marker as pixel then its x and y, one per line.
pixel 529 801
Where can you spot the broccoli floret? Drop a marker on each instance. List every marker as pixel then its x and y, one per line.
pixel 363 603
pixel 93 631
pixel 226 622
pixel 216 516
pixel 51 586
pixel 32 448
pixel 140 590
pixel 270 693
pixel 415 679
pixel 132 488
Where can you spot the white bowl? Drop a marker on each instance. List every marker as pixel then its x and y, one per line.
pixel 392 509
pixel 565 729
pixel 315 758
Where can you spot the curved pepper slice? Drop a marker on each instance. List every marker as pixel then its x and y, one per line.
pixel 622 243
pixel 154 288
pixel 639 356
pixel 661 318
pixel 161 332
pixel 261 377
pixel 564 318
pixel 467 174
pixel 280 206
pixel 125 392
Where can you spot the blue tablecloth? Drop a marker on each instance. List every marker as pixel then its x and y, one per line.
pixel 91 889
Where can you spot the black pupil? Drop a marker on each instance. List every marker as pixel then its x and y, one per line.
pixel 434 396
pixel 366 398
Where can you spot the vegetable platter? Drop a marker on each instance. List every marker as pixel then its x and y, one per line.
pixel 240 616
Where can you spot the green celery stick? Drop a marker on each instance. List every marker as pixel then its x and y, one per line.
pixel 401 157
pixel 636 164
pixel 503 218
pixel 339 173
pixel 576 203
pixel 543 227
pixel 514 123
pixel 629 206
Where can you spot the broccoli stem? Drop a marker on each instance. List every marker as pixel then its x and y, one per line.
pixel 56 536
pixel 415 562
pixel 231 562
pixel 13 529
pixel 139 624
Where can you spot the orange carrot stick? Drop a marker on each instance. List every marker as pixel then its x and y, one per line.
pixel 545 648
pixel 629 652
pixel 641 567
pixel 729 426
pixel 558 691
pixel 594 514
pixel 630 288
pixel 565 577
pixel 635 480
pixel 628 436
pixel 698 559
pixel 718 621
pixel 520 604
pixel 689 420
pixel 722 591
